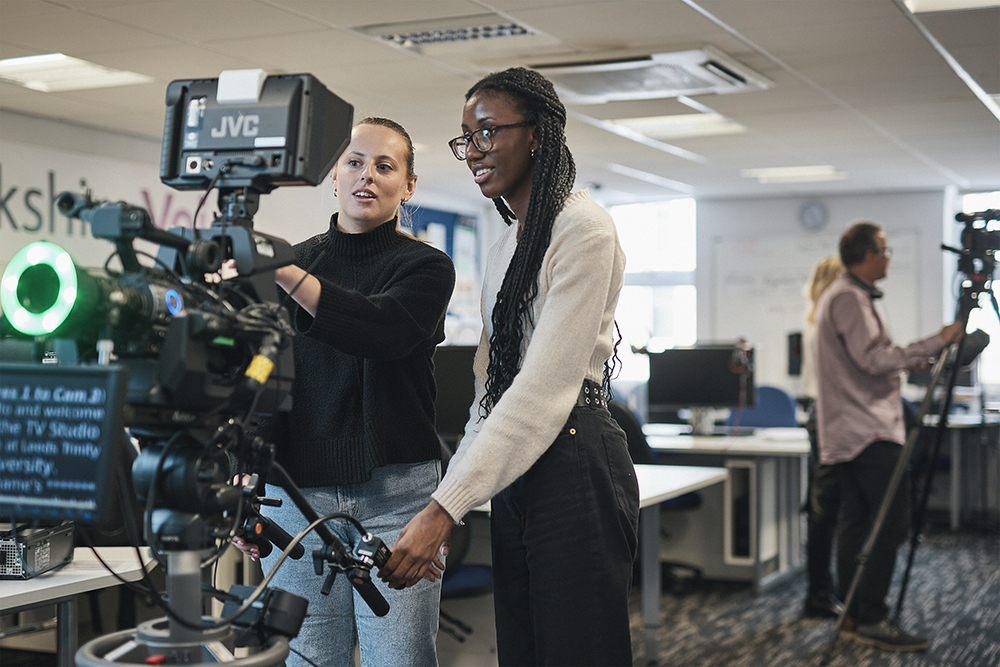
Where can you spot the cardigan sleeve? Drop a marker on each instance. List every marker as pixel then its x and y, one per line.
pixel 579 272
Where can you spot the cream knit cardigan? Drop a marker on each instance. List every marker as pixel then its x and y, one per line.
pixel 573 335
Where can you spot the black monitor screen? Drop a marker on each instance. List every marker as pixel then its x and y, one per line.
pixel 60 430
pixel 290 135
pixel 455 389
pixel 711 376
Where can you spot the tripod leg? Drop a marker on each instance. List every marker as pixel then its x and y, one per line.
pixel 918 519
pixel 893 487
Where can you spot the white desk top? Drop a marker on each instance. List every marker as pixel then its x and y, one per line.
pixel 85 573
pixel 658 483
pixel 763 442
pixel 960 420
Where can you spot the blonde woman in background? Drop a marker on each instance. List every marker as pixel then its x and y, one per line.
pixel 824 496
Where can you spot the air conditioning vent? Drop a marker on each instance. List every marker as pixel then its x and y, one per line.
pixel 477 34
pixel 693 72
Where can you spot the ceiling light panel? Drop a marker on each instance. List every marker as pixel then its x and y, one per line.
pixel 804 174
pixel 920 6
pixel 55 72
pixel 682 126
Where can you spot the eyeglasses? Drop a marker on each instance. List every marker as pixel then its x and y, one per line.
pixel 886 252
pixel 482 139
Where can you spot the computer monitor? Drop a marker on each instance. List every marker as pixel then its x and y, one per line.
pixel 61 435
pixel 455 389
pixel 704 376
pixel 287 130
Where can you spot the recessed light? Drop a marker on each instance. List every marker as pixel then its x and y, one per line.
pixel 920 6
pixel 55 72
pixel 806 174
pixel 681 126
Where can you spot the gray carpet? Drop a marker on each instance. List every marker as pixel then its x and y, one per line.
pixel 953 597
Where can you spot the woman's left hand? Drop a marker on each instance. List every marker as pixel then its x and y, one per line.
pixel 417 553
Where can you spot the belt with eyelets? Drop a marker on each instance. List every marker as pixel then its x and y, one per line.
pixel 591 395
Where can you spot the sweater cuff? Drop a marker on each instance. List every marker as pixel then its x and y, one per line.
pixel 456 500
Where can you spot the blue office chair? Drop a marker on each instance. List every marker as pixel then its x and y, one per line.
pixel 775 407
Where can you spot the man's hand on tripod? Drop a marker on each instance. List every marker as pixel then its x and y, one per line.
pixel 953 332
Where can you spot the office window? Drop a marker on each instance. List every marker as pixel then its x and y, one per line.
pixel 658 305
pixel 985 317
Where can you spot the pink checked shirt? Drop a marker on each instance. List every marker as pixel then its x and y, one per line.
pixel 858 371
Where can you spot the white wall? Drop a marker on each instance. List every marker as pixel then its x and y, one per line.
pixel 754 259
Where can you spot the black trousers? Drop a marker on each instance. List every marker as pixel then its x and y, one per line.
pixel 564 537
pixel 863 483
pixel 822 509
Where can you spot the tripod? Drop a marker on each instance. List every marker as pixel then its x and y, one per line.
pixel 942 426
pixel 189 638
pixel 978 258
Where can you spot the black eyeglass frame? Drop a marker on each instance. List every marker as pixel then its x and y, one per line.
pixel 485 132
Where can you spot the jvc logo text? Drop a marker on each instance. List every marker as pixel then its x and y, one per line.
pixel 235 126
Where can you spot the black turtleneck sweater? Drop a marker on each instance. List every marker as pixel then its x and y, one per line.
pixel 364 392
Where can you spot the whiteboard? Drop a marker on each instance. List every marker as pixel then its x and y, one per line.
pixel 759 293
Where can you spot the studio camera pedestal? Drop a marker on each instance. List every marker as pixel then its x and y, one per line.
pixel 177 643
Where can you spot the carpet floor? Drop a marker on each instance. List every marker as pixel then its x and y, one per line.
pixel 953 597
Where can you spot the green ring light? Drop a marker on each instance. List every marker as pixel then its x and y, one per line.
pixel 47 321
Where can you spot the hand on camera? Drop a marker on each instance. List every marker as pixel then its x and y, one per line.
pixel 953 332
pixel 420 549
pixel 248 548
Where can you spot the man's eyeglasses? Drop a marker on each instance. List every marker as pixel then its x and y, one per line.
pixel 886 252
pixel 482 139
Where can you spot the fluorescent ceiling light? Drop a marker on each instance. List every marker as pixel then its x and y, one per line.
pixel 54 72
pixel 810 174
pixel 682 126
pixel 919 6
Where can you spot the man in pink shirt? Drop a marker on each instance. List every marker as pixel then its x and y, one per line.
pixel 861 427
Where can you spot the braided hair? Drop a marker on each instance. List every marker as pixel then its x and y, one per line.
pixel 554 172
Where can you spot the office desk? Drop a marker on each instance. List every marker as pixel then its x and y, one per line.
pixel 658 483
pixel 957 423
pixel 752 529
pixel 61 587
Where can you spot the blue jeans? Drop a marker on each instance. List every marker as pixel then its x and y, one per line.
pixel 338 622
pixel 564 538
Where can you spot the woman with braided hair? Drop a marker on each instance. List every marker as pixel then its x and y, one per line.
pixel 540 440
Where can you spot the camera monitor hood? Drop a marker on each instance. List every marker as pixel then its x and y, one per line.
pixel 248 130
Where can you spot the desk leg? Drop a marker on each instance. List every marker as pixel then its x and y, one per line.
pixel 66 632
pixel 799 473
pixel 651 585
pixel 955 474
pixel 784 518
pixel 757 525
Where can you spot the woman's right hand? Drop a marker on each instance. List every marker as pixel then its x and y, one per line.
pixel 248 548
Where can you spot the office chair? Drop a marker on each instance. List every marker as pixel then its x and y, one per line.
pixel 775 407
pixel 677 576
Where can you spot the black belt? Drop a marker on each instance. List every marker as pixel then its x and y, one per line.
pixel 591 395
